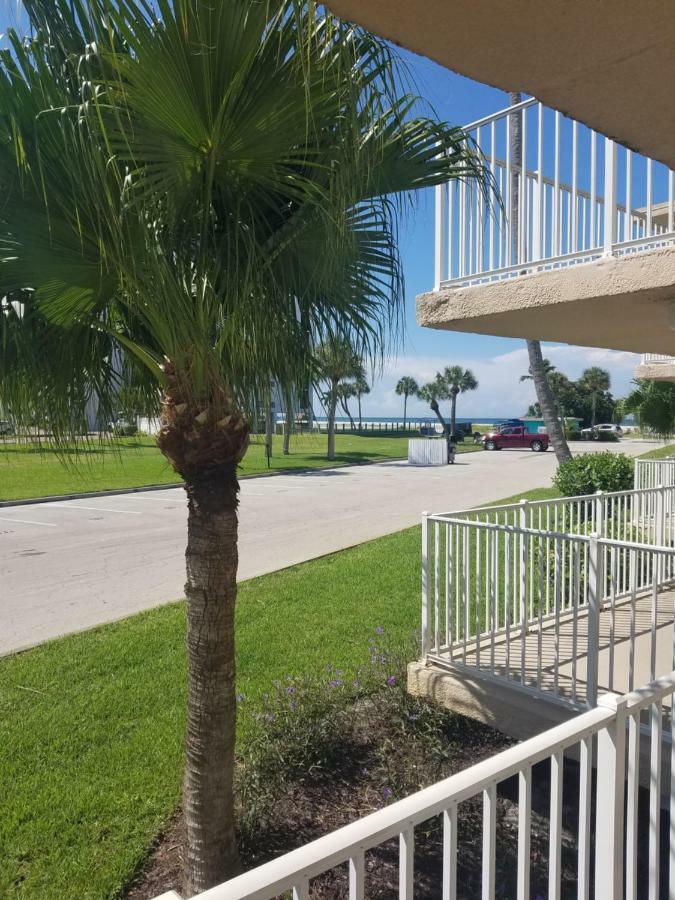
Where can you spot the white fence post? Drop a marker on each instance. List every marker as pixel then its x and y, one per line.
pixel 425 584
pixel 609 844
pixel 594 599
pixel 609 231
pixel 441 247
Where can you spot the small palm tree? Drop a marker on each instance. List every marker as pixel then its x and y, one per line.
pixel 653 403
pixel 345 391
pixel 596 381
pixel 458 381
pixel 406 387
pixel 194 196
pixel 431 393
pixel 361 387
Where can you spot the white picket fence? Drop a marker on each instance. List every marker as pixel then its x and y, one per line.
pixel 577 196
pixel 619 835
pixel 651 473
pixel 542 593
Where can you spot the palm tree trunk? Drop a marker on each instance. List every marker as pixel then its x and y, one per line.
pixel 547 403
pixel 345 408
pixel 332 406
pixel 269 431
pixel 211 589
pixel 436 410
pixel 453 414
pixel 358 398
pixel 594 402
pixel 405 409
pixel 287 432
pixel 545 397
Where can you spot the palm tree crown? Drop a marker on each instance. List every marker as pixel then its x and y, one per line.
pixel 195 196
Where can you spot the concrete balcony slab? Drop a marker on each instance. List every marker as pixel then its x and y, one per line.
pixel 617 302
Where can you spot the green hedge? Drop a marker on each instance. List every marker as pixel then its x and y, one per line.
pixel 593 472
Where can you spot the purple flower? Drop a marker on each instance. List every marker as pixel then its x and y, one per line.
pixel 379 630
pixel 335 683
pixel 271 717
pixel 293 705
pixel 386 793
pixel 239 698
pixel 391 680
pixel 356 684
pixel 290 690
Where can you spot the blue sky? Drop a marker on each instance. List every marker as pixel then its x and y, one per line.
pixel 496 362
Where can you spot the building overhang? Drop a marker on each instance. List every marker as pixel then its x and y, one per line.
pixel 607 63
pixel 661 371
pixel 622 303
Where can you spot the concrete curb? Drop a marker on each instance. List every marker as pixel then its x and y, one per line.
pixel 113 492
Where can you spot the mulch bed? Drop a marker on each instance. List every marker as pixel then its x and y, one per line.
pixel 379 761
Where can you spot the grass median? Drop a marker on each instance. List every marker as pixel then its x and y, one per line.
pixel 28 471
pixel 91 726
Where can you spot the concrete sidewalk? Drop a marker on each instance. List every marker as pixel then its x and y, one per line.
pixel 73 564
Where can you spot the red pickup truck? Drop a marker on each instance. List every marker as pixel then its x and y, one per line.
pixel 515 436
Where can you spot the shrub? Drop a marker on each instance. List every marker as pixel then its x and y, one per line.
pixel 593 472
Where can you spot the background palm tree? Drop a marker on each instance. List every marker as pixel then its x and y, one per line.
pixel 406 387
pixel 458 381
pixel 547 403
pixel 172 176
pixel 431 393
pixel 361 387
pixel 596 381
pixel 345 391
pixel 336 362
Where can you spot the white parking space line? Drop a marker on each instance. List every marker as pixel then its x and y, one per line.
pixel 155 499
pixel 124 512
pixel 28 522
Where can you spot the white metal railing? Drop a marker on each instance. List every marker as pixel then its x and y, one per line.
pixel 576 196
pixel 543 593
pixel 617 838
pixel 650 473
pixel 656 359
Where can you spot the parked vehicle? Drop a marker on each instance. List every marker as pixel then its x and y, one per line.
pixel 600 432
pixel 516 436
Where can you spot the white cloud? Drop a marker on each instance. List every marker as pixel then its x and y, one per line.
pixel 500 393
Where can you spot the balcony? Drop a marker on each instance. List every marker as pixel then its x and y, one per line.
pixel 656 368
pixel 579 245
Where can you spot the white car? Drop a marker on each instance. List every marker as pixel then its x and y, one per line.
pixel 593 433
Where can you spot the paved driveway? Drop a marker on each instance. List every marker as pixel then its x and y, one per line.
pixel 69 565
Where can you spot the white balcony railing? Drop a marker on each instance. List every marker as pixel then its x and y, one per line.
pixel 560 597
pixel 568 196
pixel 614 834
pixel 656 359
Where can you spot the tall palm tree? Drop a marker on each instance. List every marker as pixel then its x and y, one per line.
pixel 459 381
pixel 361 387
pixel 336 362
pixel 173 175
pixel 596 381
pixel 547 403
pixel 431 393
pixel 406 387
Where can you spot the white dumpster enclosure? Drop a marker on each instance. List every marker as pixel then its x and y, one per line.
pixel 428 452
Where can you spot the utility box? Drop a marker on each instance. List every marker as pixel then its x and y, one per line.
pixel 428 452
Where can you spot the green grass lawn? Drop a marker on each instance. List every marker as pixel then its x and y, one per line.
pixel 660 452
pixel 91 726
pixel 29 471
